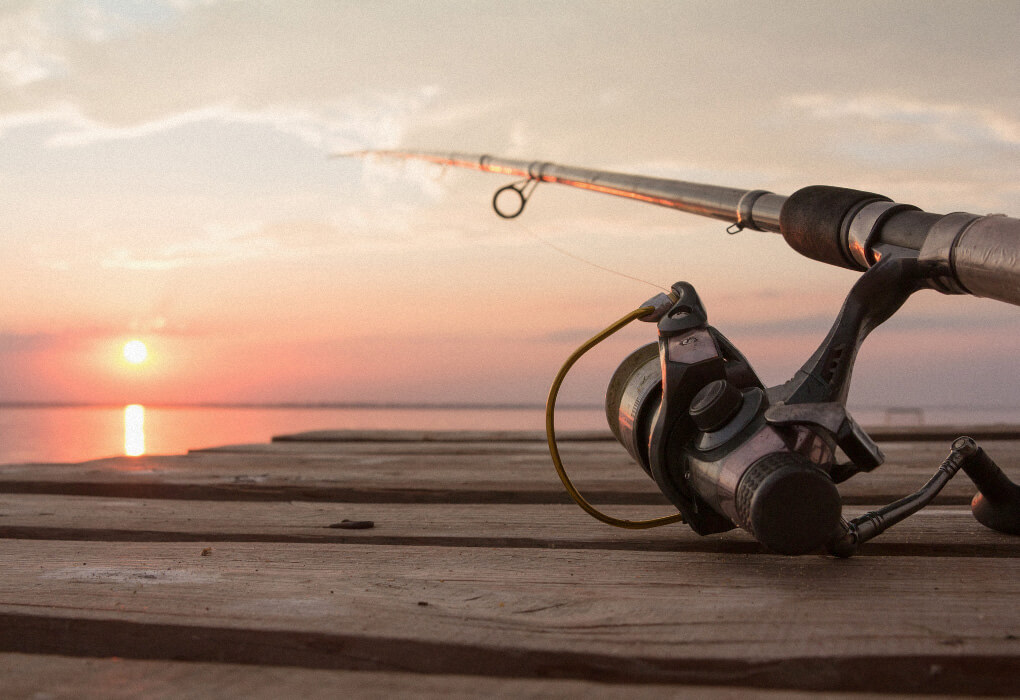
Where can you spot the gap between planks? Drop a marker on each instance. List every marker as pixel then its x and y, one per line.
pixel 934 532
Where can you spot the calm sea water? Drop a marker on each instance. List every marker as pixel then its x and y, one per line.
pixel 73 434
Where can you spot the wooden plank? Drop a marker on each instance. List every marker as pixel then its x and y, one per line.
pixel 936 531
pixel 452 472
pixel 880 433
pixel 50 676
pixel 402 478
pixel 926 454
pixel 327 449
pixel 948 433
pixel 605 465
pixel 443 436
pixel 464 586
pixel 807 623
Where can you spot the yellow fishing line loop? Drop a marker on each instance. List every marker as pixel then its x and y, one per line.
pixel 550 431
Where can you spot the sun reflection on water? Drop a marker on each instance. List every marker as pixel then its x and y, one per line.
pixel 134 430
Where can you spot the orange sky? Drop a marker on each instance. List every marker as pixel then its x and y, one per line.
pixel 164 176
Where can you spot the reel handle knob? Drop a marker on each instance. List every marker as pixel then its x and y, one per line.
pixel 997 503
pixel 788 503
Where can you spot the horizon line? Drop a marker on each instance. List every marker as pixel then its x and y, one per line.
pixel 431 405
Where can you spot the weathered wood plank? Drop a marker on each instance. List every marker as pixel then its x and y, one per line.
pixel 459 586
pixel 880 433
pixel 50 676
pixel 741 595
pixel 935 531
pixel 896 452
pixel 892 624
pixel 947 433
pixel 608 455
pixel 350 478
pixel 509 591
pixel 442 436
pixel 367 473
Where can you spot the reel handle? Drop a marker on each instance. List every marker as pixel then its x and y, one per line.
pixel 997 506
pixel 997 503
pixel 788 503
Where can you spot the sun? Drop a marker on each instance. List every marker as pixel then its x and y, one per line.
pixel 135 352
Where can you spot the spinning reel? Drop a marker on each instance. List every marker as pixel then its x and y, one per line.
pixel 729 452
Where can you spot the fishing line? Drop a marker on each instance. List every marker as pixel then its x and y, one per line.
pixel 550 431
pixel 574 256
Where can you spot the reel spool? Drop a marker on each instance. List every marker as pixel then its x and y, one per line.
pixel 783 498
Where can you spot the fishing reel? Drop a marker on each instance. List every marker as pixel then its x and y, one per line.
pixel 729 452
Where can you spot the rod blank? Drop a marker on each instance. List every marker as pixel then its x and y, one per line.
pixel 968 254
pixel 754 209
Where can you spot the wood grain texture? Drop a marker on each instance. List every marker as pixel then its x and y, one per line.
pixel 935 531
pixel 506 473
pixel 478 570
pixel 50 676
pixel 652 617
pixel 880 433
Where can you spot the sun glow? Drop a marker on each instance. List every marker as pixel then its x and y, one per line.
pixel 135 352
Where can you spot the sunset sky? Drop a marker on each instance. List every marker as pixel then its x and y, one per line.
pixel 165 176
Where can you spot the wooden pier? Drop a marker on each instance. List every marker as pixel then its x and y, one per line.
pixel 253 571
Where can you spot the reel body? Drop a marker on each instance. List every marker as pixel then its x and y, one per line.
pixel 692 412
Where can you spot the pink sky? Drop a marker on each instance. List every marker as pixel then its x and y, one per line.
pixel 165 177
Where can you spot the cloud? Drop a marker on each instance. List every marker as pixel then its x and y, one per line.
pixel 58 115
pixel 326 127
pixel 278 241
pixel 690 171
pixel 145 80
pixel 219 245
pixel 377 120
pixel 29 52
pixel 36 37
pixel 24 342
pixel 129 69
pixel 944 154
pixel 947 122
pixel 19 67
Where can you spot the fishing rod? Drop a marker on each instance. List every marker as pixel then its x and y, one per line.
pixel 728 451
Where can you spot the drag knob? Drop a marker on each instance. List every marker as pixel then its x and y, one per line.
pixel 715 405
